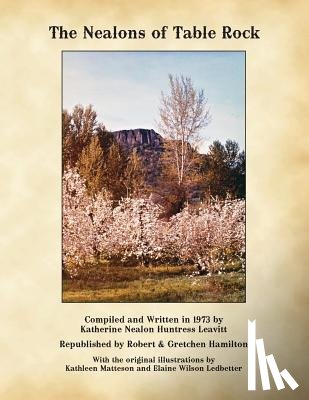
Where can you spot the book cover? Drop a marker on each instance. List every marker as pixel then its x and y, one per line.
pixel 154 200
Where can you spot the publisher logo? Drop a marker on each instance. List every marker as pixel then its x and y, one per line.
pixel 265 362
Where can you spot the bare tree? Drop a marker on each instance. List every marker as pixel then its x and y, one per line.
pixel 183 113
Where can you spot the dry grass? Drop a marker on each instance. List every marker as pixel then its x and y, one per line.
pixel 105 282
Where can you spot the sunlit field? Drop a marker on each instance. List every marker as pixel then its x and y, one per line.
pixel 161 283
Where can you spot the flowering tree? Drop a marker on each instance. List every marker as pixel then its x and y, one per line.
pixel 210 236
pixel 100 212
pixel 135 230
pixel 77 228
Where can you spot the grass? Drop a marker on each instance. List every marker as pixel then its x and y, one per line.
pixel 162 283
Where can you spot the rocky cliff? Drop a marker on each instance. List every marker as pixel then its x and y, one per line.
pixel 139 138
pixel 149 146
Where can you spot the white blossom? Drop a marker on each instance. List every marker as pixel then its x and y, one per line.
pixel 210 236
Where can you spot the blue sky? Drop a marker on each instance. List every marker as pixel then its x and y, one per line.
pixel 125 87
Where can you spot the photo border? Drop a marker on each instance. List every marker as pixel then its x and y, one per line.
pixel 61 111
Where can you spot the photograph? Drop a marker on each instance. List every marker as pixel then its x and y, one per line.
pixel 153 176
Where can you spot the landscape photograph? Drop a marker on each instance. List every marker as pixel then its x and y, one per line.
pixel 153 176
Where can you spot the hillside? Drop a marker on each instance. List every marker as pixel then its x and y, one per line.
pixel 147 143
